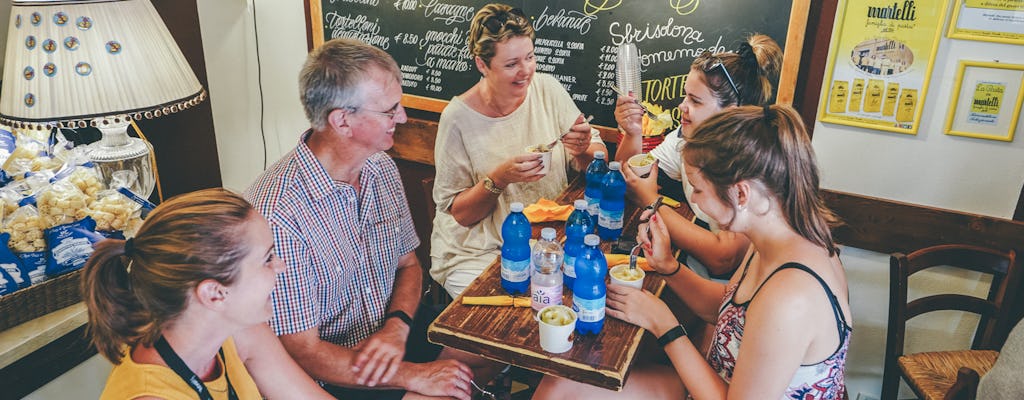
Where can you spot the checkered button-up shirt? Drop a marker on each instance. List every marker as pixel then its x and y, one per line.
pixel 341 247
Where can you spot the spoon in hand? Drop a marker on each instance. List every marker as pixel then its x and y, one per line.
pixel 547 147
pixel 619 92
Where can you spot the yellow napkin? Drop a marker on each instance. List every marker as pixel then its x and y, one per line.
pixel 616 259
pixel 545 210
pixel 504 300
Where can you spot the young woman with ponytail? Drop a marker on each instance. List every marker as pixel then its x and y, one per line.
pixel 783 320
pixel 181 308
pixel 716 82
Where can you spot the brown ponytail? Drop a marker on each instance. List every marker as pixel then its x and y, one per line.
pixel 770 145
pixel 132 296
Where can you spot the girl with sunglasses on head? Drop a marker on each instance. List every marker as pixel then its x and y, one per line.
pixel 783 325
pixel 181 308
pixel 716 82
pixel 482 166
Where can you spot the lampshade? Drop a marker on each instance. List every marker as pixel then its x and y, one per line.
pixel 94 63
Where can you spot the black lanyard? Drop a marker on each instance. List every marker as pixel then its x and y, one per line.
pixel 179 367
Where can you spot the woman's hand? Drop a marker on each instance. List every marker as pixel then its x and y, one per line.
pixel 577 140
pixel 641 190
pixel 654 240
pixel 629 115
pixel 640 308
pixel 521 168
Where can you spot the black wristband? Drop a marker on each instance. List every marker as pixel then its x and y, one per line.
pixel 400 315
pixel 672 334
pixel 679 266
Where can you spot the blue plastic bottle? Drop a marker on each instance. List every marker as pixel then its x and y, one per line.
pixel 577 226
pixel 595 177
pixel 515 251
pixel 613 201
pixel 588 292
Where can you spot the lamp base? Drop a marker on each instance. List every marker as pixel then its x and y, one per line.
pixel 116 151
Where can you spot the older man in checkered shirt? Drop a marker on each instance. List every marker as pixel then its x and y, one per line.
pixel 341 223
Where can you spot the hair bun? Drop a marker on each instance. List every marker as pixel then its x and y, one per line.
pixel 748 58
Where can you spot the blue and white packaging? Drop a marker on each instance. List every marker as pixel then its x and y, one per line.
pixel 71 245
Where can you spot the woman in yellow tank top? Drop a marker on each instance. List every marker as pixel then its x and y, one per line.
pixel 181 308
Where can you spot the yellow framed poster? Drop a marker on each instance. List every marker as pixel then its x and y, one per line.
pixel 986 101
pixel 880 62
pixel 999 21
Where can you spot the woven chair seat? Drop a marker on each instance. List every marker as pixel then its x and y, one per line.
pixel 931 374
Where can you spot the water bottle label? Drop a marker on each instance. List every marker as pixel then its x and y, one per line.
pixel 610 219
pixel 588 310
pixel 515 271
pixel 569 267
pixel 544 296
pixel 593 204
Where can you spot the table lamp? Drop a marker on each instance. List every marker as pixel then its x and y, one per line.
pixel 73 64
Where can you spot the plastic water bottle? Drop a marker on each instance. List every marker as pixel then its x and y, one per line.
pixel 588 292
pixel 577 226
pixel 627 69
pixel 515 251
pixel 613 201
pixel 595 175
pixel 546 278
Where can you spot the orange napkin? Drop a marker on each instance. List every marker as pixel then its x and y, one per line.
pixel 500 300
pixel 545 210
pixel 616 259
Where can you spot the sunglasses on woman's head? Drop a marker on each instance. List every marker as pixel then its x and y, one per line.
pixel 501 19
pixel 717 63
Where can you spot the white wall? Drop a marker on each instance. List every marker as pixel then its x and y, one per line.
pixel 235 75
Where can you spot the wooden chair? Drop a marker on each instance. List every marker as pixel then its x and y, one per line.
pixel 433 292
pixel 932 375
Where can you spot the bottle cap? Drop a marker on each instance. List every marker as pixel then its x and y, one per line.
pixel 614 165
pixel 591 240
pixel 580 204
pixel 599 155
pixel 516 207
pixel 547 233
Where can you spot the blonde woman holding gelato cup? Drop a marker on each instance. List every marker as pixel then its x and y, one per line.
pixel 481 149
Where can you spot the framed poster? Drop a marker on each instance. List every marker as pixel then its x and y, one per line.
pixel 989 20
pixel 987 100
pixel 880 62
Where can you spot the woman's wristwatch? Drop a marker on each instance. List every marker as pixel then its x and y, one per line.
pixel 491 187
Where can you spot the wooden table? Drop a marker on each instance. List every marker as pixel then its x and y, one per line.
pixel 510 335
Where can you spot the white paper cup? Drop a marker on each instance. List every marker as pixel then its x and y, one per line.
pixel 636 161
pixel 620 275
pixel 545 158
pixel 555 333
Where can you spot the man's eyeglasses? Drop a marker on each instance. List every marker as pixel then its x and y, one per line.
pixel 389 113
pixel 499 20
pixel 725 71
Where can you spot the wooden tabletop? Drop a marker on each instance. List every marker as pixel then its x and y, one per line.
pixel 511 335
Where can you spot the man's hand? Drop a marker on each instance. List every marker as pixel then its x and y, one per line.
pixel 442 378
pixel 380 354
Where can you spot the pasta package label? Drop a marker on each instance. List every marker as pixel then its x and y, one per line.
pixel 873 101
pixel 908 103
pixel 892 92
pixel 837 104
pixel 71 245
pixel 856 95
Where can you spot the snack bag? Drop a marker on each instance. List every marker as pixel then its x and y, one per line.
pixel 61 203
pixel 25 228
pixel 71 245
pixel 10 264
pixel 7 284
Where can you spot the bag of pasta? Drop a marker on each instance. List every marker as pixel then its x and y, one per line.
pixel 71 245
pixel 26 229
pixel 12 265
pixel 61 203
pixel 114 214
pixel 81 172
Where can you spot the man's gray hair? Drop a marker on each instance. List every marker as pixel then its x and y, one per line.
pixel 332 73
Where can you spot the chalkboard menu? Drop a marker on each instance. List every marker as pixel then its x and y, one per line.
pixel 576 42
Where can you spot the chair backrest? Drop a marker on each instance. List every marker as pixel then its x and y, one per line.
pixel 994 310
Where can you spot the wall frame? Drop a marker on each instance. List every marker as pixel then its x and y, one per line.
pixel 986 100
pixel 999 21
pixel 880 62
